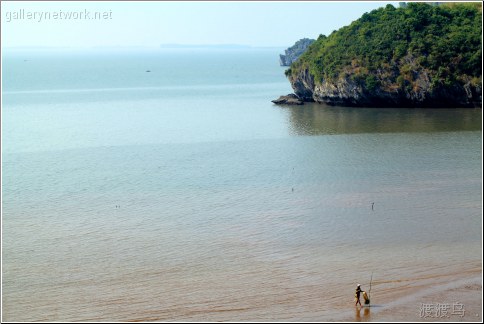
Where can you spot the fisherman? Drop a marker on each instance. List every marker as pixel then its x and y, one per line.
pixel 357 295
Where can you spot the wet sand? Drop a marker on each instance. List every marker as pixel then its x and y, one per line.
pixel 455 301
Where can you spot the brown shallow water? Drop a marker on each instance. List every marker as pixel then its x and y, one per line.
pixel 234 251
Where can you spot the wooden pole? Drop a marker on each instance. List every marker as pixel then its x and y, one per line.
pixel 369 292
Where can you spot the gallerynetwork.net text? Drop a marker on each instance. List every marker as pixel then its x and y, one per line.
pixel 40 16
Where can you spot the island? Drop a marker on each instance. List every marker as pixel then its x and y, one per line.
pixel 293 52
pixel 417 55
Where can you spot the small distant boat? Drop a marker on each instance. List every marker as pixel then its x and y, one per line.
pixel 148 71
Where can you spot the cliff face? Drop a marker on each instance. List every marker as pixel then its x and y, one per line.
pixel 346 91
pixel 419 56
pixel 293 52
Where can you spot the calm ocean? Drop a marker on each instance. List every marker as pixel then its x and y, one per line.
pixel 163 185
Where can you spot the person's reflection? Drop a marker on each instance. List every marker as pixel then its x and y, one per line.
pixel 366 314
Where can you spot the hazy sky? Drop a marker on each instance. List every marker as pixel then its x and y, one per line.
pixel 75 24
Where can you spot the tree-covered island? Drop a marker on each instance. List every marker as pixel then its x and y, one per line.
pixel 418 55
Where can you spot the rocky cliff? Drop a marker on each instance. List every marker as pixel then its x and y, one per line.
pixel 293 52
pixel 346 91
pixel 418 56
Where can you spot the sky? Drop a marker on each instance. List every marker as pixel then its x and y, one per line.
pixel 150 23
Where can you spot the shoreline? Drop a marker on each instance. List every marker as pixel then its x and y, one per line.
pixel 456 301
pixel 292 99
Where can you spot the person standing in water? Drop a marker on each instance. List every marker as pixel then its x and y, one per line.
pixel 357 295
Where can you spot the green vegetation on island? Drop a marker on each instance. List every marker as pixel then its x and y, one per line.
pixel 416 55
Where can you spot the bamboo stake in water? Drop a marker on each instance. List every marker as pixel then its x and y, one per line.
pixel 369 292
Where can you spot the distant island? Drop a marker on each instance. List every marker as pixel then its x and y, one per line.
pixel 418 55
pixel 213 46
pixel 293 52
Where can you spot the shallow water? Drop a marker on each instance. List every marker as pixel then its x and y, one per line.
pixel 184 194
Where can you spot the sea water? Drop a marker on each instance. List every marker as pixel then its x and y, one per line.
pixel 163 185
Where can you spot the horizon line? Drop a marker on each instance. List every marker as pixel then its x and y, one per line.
pixel 160 46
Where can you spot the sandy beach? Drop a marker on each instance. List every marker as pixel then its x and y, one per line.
pixel 458 300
